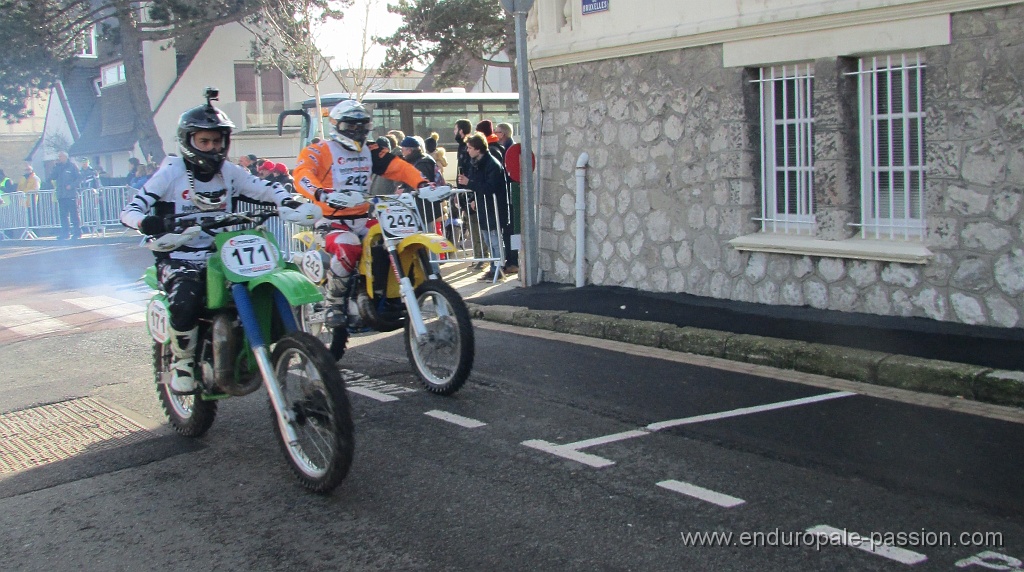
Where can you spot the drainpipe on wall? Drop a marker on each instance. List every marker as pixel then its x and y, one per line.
pixel 581 217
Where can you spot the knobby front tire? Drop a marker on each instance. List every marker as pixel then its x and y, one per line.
pixel 314 393
pixel 444 358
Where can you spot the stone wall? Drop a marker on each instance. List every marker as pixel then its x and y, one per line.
pixel 674 174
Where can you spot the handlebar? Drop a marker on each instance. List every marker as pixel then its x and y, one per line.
pixel 432 194
pixel 187 229
pixel 225 220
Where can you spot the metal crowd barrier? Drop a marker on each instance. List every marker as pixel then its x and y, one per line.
pixel 23 215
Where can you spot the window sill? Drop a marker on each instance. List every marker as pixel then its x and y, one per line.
pixel 856 248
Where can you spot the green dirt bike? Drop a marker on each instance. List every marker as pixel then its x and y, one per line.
pixel 251 290
pixel 396 285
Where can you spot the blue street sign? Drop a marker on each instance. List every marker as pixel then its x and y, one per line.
pixel 592 6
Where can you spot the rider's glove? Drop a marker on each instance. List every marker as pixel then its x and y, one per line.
pixel 301 213
pixel 319 194
pixel 344 199
pixel 153 225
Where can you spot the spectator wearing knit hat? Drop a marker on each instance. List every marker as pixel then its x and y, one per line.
pixel 412 152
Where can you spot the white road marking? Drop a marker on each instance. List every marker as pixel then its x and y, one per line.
pixel 606 439
pixel 701 493
pixel 456 419
pixel 900 555
pixel 111 307
pixel 569 453
pixel 572 452
pixel 28 322
pixel 747 410
pixel 371 394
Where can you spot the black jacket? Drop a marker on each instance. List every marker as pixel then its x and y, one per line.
pixel 487 180
pixel 65 179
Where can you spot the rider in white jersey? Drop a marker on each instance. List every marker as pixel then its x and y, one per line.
pixel 199 185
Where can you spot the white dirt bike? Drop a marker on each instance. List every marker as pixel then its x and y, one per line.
pixel 438 330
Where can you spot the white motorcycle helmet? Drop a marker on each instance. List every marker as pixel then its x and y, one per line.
pixel 352 124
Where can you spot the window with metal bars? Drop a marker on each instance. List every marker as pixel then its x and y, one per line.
pixel 787 149
pixel 892 119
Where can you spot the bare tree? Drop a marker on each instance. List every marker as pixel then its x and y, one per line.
pixel 288 41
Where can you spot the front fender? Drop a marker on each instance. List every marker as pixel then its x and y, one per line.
pixel 297 289
pixel 432 242
pixel 149 278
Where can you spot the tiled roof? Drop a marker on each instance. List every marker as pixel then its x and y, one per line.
pixel 111 126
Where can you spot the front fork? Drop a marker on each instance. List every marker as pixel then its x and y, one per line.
pixel 412 305
pixel 254 334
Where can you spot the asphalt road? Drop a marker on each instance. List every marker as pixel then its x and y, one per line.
pixel 557 455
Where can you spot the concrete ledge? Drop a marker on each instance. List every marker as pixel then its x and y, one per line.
pixel 1000 386
pixel 838 361
pixel 538 319
pixel 695 341
pixel 639 332
pixel 932 376
pixel 582 324
pixel 500 314
pixel 762 351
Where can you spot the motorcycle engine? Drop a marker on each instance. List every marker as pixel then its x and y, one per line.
pixel 226 335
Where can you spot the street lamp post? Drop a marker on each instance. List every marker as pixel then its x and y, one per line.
pixel 531 235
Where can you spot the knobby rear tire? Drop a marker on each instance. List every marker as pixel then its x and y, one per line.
pixel 189 415
pixel 335 339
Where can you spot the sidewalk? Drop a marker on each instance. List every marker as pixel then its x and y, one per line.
pixel 980 363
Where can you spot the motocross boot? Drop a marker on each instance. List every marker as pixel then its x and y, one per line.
pixel 183 346
pixel 335 317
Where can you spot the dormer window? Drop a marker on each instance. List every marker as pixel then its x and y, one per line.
pixel 112 74
pixel 87 43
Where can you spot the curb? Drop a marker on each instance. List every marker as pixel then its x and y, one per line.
pixel 972 382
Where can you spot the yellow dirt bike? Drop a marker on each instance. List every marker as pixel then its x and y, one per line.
pixel 438 330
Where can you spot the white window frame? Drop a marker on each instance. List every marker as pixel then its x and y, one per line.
pixel 889 128
pixel 790 156
pixel 112 74
pixel 88 44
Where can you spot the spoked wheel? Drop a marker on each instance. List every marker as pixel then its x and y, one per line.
pixel 311 318
pixel 318 406
pixel 444 357
pixel 190 415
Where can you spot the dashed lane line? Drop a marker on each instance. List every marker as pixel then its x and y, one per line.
pixel 459 420
pixel 111 307
pixel 860 542
pixel 572 452
pixel 707 495
pixel 28 322
pixel 382 397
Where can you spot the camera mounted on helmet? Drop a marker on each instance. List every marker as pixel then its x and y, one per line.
pixel 204 158
pixel 352 124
